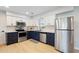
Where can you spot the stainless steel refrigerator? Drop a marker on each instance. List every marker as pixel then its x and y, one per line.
pixel 64 37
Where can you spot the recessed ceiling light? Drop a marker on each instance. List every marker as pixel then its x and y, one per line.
pixel 27 12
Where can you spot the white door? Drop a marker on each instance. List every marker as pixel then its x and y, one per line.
pixel 2 38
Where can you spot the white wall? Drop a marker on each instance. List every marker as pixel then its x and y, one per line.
pixel 66 14
pixel 48 17
pixel 2 27
pixel 2 20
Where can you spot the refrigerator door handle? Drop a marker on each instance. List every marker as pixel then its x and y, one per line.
pixel 57 23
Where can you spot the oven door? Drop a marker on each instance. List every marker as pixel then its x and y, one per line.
pixel 22 36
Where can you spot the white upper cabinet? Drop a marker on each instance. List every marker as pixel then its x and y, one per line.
pixel 43 22
pixel 32 22
pixel 11 21
pixel 47 21
pixel 12 18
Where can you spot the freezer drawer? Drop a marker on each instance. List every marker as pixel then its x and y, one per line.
pixel 43 37
pixel 64 40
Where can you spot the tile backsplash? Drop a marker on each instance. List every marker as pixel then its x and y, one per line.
pixel 33 28
pixel 11 28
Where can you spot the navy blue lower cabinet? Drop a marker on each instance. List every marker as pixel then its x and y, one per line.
pixel 50 38
pixel 36 36
pixel 11 37
pixel 33 35
pixel 29 34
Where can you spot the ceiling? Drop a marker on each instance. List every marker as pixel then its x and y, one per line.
pixel 30 10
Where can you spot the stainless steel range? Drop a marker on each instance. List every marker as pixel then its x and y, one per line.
pixel 22 36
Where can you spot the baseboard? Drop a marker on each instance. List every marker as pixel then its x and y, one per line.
pixel 76 50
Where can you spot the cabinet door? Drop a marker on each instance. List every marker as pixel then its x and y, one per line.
pixel 14 21
pixel 29 35
pixel 33 35
pixel 36 35
pixel 11 21
pixel 50 38
pixel 12 38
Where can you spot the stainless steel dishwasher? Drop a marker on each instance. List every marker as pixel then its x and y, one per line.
pixel 43 37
